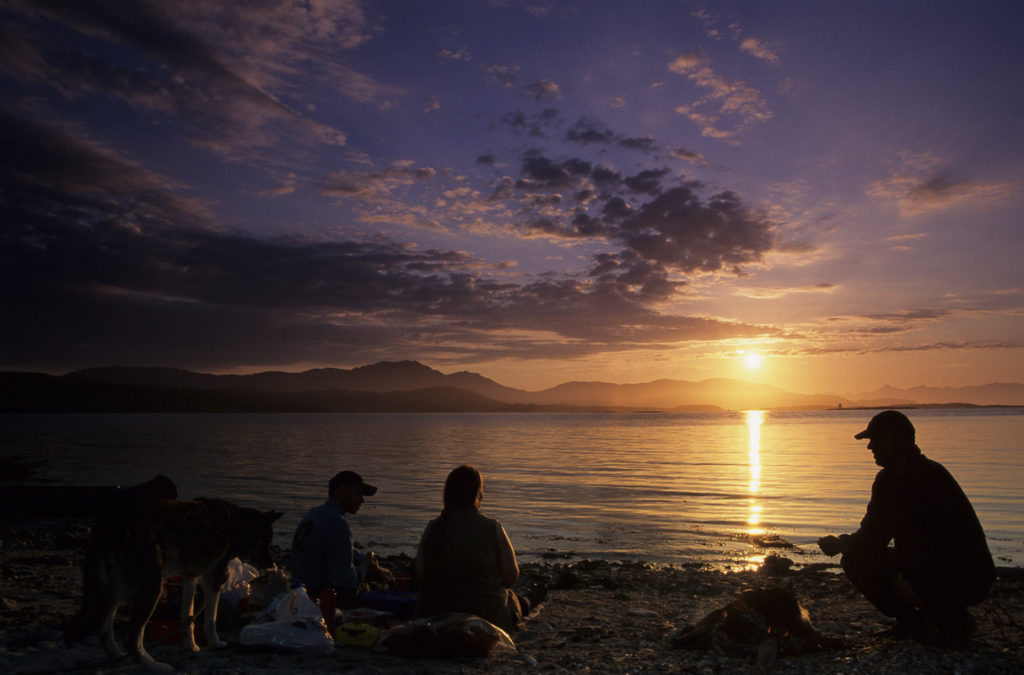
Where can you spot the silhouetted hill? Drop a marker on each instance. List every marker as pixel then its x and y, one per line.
pixel 36 392
pixel 385 376
pixel 412 386
pixel 723 393
pixel 997 393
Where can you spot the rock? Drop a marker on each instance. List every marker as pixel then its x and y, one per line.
pixel 775 565
pixel 567 580
pixel 742 626
pixel 446 636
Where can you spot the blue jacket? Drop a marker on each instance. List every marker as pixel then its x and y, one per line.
pixel 322 553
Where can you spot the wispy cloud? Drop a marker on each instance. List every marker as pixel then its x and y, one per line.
pixel 775 292
pixel 220 72
pixel 759 49
pixel 923 183
pixel 727 108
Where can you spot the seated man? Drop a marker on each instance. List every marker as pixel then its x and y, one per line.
pixel 323 559
pixel 939 563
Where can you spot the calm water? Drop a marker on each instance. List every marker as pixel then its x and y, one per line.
pixel 660 487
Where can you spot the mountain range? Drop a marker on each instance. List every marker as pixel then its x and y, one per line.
pixel 412 386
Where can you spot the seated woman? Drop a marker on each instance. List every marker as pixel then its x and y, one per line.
pixel 465 562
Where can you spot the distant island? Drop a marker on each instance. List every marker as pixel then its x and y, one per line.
pixel 410 386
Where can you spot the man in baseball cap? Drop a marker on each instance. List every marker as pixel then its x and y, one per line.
pixel 939 562
pixel 323 557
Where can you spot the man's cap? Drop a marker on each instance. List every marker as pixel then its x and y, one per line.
pixel 889 420
pixel 351 478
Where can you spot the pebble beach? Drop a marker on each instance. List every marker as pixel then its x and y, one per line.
pixel 599 616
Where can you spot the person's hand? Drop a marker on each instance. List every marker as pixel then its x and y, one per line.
pixel 832 545
pixel 373 562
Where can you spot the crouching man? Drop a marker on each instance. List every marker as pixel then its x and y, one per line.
pixel 939 562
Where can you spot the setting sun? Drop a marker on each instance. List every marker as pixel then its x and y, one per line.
pixel 753 360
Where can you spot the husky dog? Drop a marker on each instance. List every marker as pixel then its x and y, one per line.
pixel 132 553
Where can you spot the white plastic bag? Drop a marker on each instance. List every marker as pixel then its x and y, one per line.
pixel 305 637
pixel 236 588
pixel 298 626
pixel 296 605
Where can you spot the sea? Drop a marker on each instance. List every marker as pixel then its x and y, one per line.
pixel 722 489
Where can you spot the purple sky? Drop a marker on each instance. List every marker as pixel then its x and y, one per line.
pixel 538 191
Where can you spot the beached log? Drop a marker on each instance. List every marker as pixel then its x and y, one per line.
pixel 77 501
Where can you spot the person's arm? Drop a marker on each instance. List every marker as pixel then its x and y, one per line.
pixel 506 557
pixel 873 529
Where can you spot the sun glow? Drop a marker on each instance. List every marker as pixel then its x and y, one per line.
pixel 753 360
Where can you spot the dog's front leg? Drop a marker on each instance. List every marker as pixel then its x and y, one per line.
pixel 188 619
pixel 211 600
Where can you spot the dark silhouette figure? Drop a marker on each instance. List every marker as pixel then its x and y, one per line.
pixel 939 562
pixel 323 557
pixel 466 563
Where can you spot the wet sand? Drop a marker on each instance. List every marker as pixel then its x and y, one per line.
pixel 599 617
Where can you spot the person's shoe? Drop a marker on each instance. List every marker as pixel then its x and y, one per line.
pixel 904 628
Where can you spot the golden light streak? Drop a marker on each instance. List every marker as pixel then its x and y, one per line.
pixel 754 420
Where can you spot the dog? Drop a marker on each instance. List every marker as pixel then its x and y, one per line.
pixel 132 553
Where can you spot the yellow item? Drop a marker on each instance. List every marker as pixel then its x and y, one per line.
pixel 357 634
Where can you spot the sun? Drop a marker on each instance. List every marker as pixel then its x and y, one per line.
pixel 753 360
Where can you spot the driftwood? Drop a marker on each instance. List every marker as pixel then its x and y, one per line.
pixel 73 501
pixel 762 622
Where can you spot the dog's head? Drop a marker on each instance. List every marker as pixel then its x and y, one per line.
pixel 252 535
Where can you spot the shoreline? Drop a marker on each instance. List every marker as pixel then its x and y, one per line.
pixel 599 616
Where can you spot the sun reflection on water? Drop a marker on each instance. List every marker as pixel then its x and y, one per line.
pixel 754 420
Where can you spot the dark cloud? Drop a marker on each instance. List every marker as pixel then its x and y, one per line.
pixel 674 230
pixel 185 81
pixel 539 125
pixel 910 315
pixel 937 186
pixel 687 154
pixel 103 262
pixel 645 144
pixel 589 132
pixel 372 185
pixel 648 181
pixel 679 230
pixel 540 172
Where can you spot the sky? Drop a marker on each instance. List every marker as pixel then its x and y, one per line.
pixel 822 196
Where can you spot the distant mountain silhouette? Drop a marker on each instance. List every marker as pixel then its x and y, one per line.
pixel 722 393
pixel 37 392
pixel 412 386
pixel 385 376
pixel 997 393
